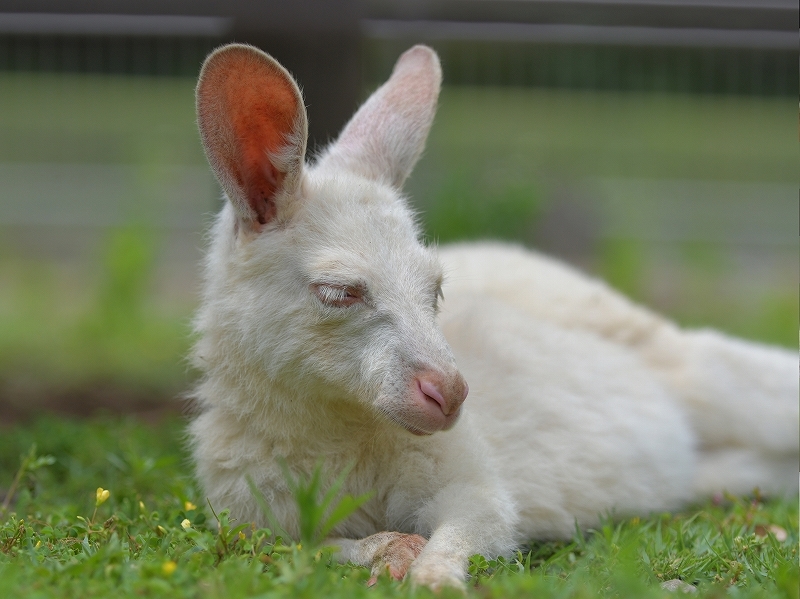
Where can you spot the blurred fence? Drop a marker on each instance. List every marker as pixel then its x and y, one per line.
pixel 611 66
pixel 129 55
pixel 732 46
pixel 746 47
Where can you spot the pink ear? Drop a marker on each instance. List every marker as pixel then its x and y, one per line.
pixel 253 126
pixel 386 136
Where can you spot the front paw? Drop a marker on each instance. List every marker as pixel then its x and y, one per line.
pixel 394 553
pixel 438 573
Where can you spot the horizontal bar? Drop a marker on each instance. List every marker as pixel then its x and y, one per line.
pixel 581 34
pixel 109 24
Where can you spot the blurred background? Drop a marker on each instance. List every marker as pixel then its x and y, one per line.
pixel 650 142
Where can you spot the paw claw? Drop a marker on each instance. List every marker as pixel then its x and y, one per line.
pixel 394 555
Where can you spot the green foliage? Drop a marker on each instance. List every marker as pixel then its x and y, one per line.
pixel 29 464
pixel 318 511
pixel 622 265
pixel 153 535
pixel 56 338
pixel 777 320
pixel 464 209
pixel 122 292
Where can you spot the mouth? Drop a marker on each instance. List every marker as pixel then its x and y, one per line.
pixel 419 429
pixel 417 432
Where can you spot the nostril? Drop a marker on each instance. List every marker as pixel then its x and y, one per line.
pixel 429 389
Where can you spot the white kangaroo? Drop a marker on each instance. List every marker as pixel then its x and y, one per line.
pixel 321 335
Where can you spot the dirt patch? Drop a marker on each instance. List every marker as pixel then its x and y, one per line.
pixel 20 404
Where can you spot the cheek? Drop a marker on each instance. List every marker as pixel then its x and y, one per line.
pixel 381 366
pixel 345 356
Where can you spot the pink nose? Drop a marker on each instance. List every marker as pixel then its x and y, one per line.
pixel 449 397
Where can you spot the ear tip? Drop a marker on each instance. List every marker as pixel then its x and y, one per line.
pixel 234 55
pixel 421 57
pixel 239 58
pixel 230 62
pixel 421 49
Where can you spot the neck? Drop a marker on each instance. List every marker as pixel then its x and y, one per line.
pixel 284 412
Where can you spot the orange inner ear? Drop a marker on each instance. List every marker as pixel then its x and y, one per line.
pixel 259 105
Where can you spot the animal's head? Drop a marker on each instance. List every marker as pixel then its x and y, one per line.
pixel 317 278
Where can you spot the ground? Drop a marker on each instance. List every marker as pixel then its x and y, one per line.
pixel 152 534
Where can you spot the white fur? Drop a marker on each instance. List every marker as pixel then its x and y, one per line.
pixel 581 403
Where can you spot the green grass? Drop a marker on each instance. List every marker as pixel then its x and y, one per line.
pixel 56 541
pixel 492 163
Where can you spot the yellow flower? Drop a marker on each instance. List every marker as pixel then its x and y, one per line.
pixel 141 505
pixel 102 496
pixel 186 524
pixel 38 544
pixel 242 536
pixel 189 506
pixel 169 567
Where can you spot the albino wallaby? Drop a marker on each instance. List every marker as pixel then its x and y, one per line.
pixel 322 334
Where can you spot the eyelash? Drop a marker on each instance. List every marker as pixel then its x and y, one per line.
pixel 338 296
pixel 344 296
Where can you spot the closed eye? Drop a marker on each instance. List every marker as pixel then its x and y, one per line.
pixel 338 296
